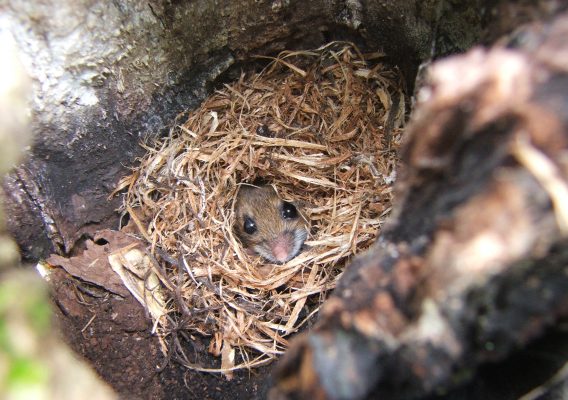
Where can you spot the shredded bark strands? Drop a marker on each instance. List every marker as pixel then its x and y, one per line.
pixel 323 128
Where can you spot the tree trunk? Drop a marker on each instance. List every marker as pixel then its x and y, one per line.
pixel 108 73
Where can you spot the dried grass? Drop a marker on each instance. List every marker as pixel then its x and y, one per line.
pixel 321 126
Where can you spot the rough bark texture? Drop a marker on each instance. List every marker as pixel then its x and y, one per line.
pixel 100 87
pixel 473 264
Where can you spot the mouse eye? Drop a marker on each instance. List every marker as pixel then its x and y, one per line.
pixel 249 226
pixel 289 211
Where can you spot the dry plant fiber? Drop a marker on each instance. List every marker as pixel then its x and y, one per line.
pixel 322 127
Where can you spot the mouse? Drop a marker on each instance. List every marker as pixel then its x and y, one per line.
pixel 266 225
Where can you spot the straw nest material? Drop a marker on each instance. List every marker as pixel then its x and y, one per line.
pixel 322 127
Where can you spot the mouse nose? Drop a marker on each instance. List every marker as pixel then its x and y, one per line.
pixel 281 247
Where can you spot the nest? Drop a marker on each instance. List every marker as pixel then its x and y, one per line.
pixel 322 127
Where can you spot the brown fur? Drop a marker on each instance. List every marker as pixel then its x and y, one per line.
pixel 263 205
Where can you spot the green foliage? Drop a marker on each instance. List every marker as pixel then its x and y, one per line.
pixel 25 320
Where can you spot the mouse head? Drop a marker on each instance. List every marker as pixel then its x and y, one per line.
pixel 268 225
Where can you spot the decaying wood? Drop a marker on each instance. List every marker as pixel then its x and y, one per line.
pixel 474 261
